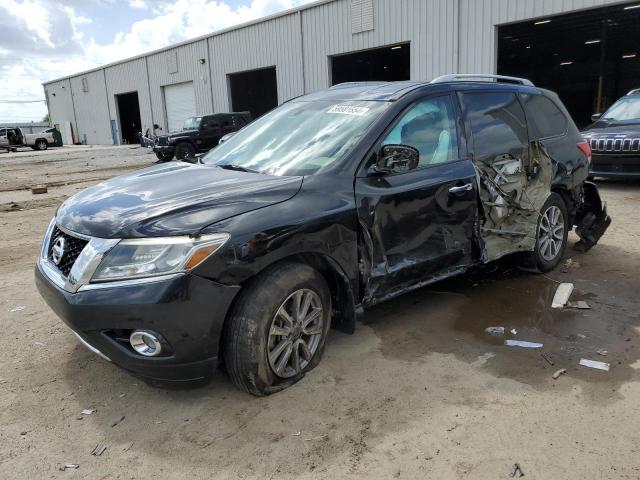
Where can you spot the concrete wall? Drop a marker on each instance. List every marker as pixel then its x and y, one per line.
pixel 445 36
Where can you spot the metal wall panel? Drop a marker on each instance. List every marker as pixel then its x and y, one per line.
pixel 162 72
pixel 92 111
pixel 271 43
pixel 60 103
pixel 429 25
pixel 126 77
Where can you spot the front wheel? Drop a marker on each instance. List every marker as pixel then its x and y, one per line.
pixel 277 329
pixel 551 234
pixel 184 151
pixel 164 157
pixel 41 145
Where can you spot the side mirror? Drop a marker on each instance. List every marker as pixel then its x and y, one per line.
pixel 595 117
pixel 397 159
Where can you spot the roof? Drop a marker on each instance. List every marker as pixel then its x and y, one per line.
pixel 380 91
pixel 284 13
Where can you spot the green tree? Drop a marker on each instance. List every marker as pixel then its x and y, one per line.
pixel 46 118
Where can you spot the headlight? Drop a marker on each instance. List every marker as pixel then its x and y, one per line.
pixel 145 257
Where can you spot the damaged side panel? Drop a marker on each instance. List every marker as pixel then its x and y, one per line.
pixel 512 193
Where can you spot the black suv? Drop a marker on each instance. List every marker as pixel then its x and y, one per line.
pixel 614 138
pixel 331 203
pixel 198 134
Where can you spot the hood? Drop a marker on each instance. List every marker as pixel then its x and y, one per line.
pixel 609 129
pixel 179 133
pixel 170 199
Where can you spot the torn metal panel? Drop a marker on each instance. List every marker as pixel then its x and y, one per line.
pixel 512 192
pixel 592 219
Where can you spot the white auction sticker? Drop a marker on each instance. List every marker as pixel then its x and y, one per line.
pixel 348 110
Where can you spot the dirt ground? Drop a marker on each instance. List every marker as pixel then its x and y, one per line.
pixel 419 391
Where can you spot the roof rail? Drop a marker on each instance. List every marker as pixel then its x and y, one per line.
pixel 356 84
pixel 635 91
pixel 474 77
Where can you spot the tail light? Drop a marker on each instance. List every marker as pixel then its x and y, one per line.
pixel 585 149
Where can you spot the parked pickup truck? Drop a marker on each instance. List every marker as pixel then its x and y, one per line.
pixel 198 134
pixel 12 138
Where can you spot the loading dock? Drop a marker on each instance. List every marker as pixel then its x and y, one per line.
pixel 255 91
pixel 590 58
pixel 390 63
pixel 128 108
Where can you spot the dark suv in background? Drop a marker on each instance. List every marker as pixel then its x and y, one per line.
pixel 614 138
pixel 198 135
pixel 329 204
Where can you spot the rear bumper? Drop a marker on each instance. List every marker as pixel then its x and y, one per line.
pixel 615 166
pixel 187 311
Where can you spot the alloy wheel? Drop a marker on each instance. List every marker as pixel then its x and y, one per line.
pixel 295 333
pixel 551 233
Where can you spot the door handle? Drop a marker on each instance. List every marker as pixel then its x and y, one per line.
pixel 461 188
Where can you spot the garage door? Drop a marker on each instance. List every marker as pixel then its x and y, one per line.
pixel 180 102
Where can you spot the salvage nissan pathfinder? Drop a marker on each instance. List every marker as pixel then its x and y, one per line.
pixel 329 204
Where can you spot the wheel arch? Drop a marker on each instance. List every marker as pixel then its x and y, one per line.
pixel 343 308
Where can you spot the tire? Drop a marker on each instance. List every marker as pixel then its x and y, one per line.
pixel 260 344
pixel 550 246
pixel 41 144
pixel 164 157
pixel 184 150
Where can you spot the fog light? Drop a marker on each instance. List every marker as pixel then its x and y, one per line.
pixel 145 343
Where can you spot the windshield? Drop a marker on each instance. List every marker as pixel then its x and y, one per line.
pixel 192 123
pixel 298 138
pixel 627 108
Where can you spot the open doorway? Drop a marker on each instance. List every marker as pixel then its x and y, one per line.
pixel 387 64
pixel 129 116
pixel 255 91
pixel 590 58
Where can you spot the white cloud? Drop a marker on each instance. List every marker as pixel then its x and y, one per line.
pixel 137 4
pixel 41 39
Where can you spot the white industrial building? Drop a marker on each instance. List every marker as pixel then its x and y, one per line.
pixel 587 50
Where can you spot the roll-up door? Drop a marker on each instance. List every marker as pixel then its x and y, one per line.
pixel 180 103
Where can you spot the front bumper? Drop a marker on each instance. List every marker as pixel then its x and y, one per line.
pixel 615 166
pixel 164 149
pixel 186 310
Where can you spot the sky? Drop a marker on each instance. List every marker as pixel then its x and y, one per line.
pixel 41 40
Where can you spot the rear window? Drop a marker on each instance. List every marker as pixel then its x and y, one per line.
pixel 544 117
pixel 497 125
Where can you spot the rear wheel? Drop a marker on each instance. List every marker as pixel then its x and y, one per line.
pixel 551 234
pixel 41 144
pixel 277 330
pixel 185 151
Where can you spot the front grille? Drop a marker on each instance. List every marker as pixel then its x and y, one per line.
pixel 163 141
pixel 73 247
pixel 616 145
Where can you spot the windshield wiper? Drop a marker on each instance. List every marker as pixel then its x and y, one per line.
pixel 237 168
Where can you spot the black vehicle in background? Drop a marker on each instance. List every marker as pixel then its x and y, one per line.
pixel 198 135
pixel 614 138
pixel 329 204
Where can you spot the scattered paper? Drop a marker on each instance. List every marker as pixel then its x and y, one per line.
pixel 497 331
pixel 594 364
pixel 18 308
pixel 562 295
pixel 604 353
pixel 513 331
pixel 99 450
pixel 88 411
pixel 580 304
pixel 522 343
